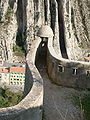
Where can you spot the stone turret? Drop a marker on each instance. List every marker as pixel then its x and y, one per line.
pixel 45 32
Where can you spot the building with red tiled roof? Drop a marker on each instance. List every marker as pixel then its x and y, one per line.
pixel 4 75
pixel 17 69
pixel 87 59
pixel 12 75
pixel 4 70
pixel 17 75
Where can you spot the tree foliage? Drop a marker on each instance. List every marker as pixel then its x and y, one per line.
pixel 9 98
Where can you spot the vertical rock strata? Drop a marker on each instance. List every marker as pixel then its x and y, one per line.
pixel 32 14
pixel 40 12
pixel 51 17
pixel 8 28
pixel 55 24
pixel 76 14
pixel 35 18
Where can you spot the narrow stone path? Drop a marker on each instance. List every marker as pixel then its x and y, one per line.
pixel 57 100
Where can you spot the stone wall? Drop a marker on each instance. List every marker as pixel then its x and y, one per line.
pixel 30 108
pixel 67 72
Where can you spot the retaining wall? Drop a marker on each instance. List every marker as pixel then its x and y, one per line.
pixel 30 108
pixel 67 72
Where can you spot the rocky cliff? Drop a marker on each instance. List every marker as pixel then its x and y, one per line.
pixel 35 18
pixel 8 28
pixel 76 17
pixel 69 19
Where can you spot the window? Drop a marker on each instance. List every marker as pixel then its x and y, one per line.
pixel 60 68
pixel 75 71
pixel 21 83
pixel 89 55
pixel 14 83
pixel 88 73
pixel 17 83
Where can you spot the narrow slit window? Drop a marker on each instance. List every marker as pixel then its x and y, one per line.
pixel 53 64
pixel 88 73
pixel 60 68
pixel 75 71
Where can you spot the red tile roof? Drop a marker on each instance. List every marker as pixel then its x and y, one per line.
pixel 4 70
pixel 17 69
pixel 87 58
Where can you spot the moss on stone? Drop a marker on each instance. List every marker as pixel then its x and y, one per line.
pixel 18 51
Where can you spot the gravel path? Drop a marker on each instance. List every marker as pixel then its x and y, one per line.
pixel 58 101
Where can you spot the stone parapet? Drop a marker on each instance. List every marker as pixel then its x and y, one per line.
pixel 30 108
pixel 67 72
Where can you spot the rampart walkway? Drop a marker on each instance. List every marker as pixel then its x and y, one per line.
pixel 57 99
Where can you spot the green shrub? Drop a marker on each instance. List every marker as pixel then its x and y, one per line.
pixel 84 104
pixel 18 50
pixel 9 98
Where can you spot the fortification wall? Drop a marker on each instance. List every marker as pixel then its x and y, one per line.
pixel 67 72
pixel 30 108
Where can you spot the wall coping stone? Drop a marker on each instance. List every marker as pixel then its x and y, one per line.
pixel 64 61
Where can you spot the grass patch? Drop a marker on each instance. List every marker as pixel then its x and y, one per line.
pixel 84 104
pixel 18 51
pixel 9 98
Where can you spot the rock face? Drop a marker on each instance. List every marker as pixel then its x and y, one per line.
pixel 19 19
pixel 76 16
pixel 51 18
pixel 25 17
pixel 8 28
pixel 40 12
pixel 35 18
